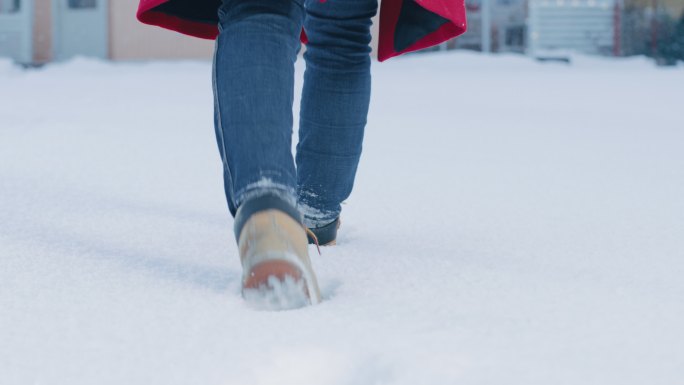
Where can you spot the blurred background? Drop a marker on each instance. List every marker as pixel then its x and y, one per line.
pixel 34 32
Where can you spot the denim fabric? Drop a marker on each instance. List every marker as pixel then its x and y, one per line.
pixel 254 91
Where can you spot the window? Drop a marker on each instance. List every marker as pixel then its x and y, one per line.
pixel 82 4
pixel 9 6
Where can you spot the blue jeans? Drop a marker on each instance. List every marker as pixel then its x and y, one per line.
pixel 254 91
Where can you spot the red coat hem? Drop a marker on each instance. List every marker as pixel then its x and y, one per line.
pixel 175 23
pixel 453 11
pixel 389 17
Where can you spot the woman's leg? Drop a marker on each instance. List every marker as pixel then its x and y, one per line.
pixel 253 93
pixel 253 87
pixel 334 107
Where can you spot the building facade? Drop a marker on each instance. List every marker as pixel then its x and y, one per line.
pixel 39 31
pixel 541 27
pixel 586 26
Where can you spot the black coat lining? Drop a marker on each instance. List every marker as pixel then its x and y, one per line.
pixel 204 11
pixel 415 22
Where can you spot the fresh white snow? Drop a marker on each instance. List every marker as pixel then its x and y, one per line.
pixel 512 223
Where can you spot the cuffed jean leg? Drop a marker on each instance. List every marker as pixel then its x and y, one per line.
pixel 334 107
pixel 253 94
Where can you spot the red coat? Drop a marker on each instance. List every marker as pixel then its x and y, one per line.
pixel 405 25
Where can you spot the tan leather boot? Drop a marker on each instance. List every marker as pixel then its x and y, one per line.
pixel 277 271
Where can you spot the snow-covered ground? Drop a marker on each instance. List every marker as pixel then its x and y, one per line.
pixel 513 223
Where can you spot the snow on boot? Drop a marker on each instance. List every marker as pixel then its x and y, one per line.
pixel 277 271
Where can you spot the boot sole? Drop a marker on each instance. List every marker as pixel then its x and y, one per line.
pixel 279 282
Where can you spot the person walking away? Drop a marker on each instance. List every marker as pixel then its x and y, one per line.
pixel 280 203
